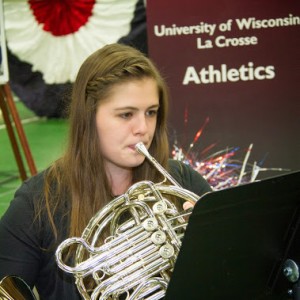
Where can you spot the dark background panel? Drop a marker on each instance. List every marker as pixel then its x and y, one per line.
pixel 263 112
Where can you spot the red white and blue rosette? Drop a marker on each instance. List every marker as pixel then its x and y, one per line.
pixel 47 41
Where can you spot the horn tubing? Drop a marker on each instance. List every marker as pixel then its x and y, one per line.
pixel 140 147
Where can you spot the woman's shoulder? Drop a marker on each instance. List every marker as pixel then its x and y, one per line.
pixel 29 192
pixel 179 168
pixel 20 211
pixel 187 177
pixel 34 184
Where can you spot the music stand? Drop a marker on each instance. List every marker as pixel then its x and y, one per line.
pixel 237 242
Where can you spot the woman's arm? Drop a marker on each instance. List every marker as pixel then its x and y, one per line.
pixel 20 245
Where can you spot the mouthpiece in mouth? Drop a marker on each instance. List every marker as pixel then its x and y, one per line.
pixel 141 148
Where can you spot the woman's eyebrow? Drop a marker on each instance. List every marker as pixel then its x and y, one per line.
pixel 135 108
pixel 127 108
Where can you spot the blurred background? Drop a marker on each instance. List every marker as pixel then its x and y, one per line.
pixel 43 43
pixel 231 133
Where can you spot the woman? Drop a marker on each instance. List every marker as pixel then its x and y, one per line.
pixel 118 100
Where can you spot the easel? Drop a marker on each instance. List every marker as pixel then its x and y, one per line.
pixel 8 109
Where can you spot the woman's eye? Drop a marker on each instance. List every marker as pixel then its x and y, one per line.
pixel 126 115
pixel 152 112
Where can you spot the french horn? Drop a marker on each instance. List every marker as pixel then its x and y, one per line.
pixel 145 234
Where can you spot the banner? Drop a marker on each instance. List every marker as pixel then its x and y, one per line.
pixel 48 40
pixel 233 69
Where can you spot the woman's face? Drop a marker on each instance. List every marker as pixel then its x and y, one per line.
pixel 126 117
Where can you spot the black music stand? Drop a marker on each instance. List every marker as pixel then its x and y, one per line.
pixel 237 243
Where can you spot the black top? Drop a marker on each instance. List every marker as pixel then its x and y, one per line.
pixel 26 249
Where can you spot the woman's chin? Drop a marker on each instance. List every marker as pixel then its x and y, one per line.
pixel 136 162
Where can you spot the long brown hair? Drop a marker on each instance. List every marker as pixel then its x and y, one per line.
pixel 79 176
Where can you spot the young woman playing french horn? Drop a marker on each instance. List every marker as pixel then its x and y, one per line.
pixel 119 99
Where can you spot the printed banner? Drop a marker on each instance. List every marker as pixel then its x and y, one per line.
pixel 233 69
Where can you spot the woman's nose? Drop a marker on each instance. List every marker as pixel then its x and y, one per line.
pixel 140 125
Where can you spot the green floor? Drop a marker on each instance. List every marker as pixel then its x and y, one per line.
pixel 46 140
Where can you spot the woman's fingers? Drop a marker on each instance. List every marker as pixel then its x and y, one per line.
pixel 187 205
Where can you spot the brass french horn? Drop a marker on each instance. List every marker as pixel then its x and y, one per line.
pixel 137 259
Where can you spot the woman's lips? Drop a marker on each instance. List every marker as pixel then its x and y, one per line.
pixel 133 147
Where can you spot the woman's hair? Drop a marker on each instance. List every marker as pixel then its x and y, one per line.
pixel 78 182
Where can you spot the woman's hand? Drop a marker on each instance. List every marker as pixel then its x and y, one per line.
pixel 186 205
